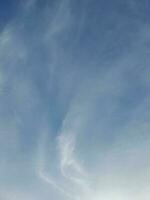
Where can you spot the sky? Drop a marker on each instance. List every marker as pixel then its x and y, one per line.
pixel 74 99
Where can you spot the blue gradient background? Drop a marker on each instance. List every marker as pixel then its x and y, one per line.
pixel 74 99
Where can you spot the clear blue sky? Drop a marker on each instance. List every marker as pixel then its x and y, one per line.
pixel 74 99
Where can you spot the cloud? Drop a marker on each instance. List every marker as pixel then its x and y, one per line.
pixel 74 106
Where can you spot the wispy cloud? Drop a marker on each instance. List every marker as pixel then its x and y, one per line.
pixel 74 102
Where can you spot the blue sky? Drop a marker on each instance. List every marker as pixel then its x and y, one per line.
pixel 74 99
